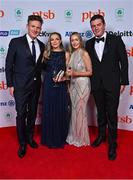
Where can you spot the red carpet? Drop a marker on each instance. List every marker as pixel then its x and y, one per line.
pixel 68 163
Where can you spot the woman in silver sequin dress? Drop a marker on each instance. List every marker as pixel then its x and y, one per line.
pixel 79 70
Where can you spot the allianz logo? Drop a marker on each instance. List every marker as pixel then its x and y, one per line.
pixel 10 103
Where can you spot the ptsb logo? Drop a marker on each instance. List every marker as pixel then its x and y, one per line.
pixel 131 90
pixel 86 15
pixel 1 13
pixel 3 85
pixel 125 119
pixel 45 15
pixel 130 52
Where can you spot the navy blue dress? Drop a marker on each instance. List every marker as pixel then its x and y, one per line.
pixel 56 104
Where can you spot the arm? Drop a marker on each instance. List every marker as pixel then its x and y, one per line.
pixel 9 66
pixel 67 55
pixel 123 62
pixel 11 90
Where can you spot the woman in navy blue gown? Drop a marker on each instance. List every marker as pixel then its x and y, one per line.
pixel 56 108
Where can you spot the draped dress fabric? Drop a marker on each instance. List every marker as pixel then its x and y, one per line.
pixel 80 87
pixel 55 109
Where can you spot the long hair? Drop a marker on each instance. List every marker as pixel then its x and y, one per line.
pixel 49 48
pixel 71 49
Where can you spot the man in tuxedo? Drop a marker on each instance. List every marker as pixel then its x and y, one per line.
pixel 110 75
pixel 23 75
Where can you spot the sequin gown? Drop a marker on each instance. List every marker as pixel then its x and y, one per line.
pixel 79 93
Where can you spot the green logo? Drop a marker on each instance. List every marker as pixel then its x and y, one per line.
pixel 8 115
pixel 119 12
pixel 2 51
pixel 68 14
pixel 18 13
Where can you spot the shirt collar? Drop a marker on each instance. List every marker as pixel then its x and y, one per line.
pixel 104 35
pixel 29 39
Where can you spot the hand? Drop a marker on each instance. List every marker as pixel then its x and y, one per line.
pixel 69 72
pixel 11 90
pixel 122 88
pixel 55 79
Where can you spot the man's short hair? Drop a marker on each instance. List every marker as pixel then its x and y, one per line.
pixel 97 16
pixel 35 18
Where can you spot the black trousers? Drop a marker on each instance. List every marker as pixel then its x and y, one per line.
pixel 26 108
pixel 107 102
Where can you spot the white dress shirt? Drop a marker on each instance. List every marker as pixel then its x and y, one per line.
pixel 37 47
pixel 99 47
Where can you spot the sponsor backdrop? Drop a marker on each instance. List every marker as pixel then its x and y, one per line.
pixel 66 16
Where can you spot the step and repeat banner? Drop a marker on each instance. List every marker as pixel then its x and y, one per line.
pixel 66 16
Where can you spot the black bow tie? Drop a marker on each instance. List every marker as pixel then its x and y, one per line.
pixel 99 39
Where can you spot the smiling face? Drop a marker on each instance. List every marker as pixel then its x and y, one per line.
pixel 34 28
pixel 55 42
pixel 98 27
pixel 75 42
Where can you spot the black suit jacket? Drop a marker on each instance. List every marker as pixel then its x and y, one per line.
pixel 112 71
pixel 21 70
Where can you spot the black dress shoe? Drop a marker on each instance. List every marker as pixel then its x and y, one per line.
pixel 98 141
pixel 22 151
pixel 112 153
pixel 33 144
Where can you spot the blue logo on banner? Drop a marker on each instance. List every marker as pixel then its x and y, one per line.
pixel 3 103
pixel 4 33
pixel 11 103
pixel 14 32
pixel 88 34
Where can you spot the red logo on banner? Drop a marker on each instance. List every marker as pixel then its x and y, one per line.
pixel 131 90
pixel 86 15
pixel 45 15
pixel 130 52
pixel 1 13
pixel 124 119
pixel 3 85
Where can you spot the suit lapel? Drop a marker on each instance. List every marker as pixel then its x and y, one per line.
pixel 26 46
pixel 106 47
pixel 41 51
pixel 28 51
